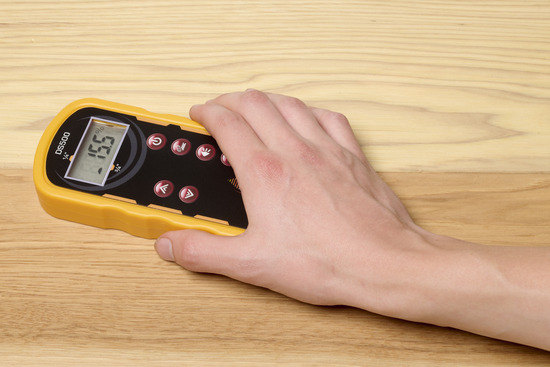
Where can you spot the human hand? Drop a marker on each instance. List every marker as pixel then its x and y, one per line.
pixel 323 227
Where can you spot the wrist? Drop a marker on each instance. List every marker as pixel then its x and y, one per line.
pixel 448 282
pixel 447 278
pixel 399 278
pixel 425 278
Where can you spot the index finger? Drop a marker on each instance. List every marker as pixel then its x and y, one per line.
pixel 232 133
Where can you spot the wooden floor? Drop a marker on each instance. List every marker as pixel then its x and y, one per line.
pixel 449 99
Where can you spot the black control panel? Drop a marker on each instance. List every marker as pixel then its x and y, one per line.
pixel 153 165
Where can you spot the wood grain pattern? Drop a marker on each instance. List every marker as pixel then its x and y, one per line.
pixel 76 295
pixel 488 208
pixel 415 78
pixel 450 100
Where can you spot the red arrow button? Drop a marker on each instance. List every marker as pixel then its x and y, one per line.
pixel 189 194
pixel 164 188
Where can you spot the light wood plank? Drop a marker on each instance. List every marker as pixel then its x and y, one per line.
pixel 76 295
pixel 487 208
pixel 467 78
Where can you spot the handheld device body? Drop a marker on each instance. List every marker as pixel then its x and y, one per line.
pixel 111 165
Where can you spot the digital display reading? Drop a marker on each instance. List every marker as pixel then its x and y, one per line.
pixel 96 151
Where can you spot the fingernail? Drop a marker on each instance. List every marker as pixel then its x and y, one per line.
pixel 164 249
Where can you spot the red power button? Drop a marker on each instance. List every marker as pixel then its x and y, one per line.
pixel 156 141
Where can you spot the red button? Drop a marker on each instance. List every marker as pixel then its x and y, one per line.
pixel 206 152
pixel 164 188
pixel 224 160
pixel 189 194
pixel 156 141
pixel 181 146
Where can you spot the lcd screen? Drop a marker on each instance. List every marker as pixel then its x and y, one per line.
pixel 97 151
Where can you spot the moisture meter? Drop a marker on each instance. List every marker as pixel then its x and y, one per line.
pixel 115 166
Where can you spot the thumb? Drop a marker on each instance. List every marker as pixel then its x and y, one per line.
pixel 202 251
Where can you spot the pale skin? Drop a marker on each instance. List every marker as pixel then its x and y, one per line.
pixel 325 229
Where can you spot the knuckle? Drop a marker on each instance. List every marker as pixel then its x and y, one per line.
pixel 308 153
pixel 268 167
pixel 253 97
pixel 339 119
pixel 187 254
pixel 332 118
pixel 292 103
